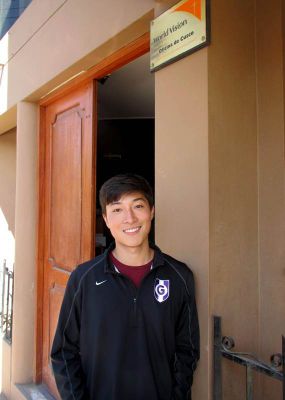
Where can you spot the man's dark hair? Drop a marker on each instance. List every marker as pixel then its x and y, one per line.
pixel 117 186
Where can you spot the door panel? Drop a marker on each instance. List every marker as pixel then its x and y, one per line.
pixel 66 184
pixel 69 203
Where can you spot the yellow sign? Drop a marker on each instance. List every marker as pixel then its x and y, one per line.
pixel 177 32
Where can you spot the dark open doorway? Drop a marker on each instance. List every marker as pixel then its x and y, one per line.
pixel 125 133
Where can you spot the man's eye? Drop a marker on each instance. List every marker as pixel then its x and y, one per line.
pixel 139 206
pixel 116 210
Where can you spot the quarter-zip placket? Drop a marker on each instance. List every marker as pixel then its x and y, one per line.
pixel 136 291
pixel 135 311
pixel 135 300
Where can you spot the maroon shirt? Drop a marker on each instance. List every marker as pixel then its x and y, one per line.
pixel 135 274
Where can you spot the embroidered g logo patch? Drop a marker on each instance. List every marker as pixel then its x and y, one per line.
pixel 161 290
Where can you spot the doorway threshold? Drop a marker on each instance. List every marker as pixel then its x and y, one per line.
pixel 35 392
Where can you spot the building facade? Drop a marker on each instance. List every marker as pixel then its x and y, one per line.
pixel 213 123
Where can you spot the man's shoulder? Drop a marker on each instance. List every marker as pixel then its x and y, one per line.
pixel 177 264
pixel 180 268
pixel 94 265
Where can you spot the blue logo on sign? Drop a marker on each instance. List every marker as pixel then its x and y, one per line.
pixel 161 290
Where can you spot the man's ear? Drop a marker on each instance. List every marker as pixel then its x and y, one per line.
pixel 105 219
pixel 152 212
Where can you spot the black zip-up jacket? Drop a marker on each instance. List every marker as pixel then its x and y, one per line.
pixel 118 342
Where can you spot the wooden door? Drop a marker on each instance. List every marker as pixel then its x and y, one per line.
pixel 69 203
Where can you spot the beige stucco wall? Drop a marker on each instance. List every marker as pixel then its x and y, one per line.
pixel 246 182
pixel 247 203
pixel 271 188
pixel 182 181
pixel 233 181
pixel 181 176
pixel 22 365
pixel 219 162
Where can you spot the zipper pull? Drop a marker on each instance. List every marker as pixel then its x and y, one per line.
pixel 135 311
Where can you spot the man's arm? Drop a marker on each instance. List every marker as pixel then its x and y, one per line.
pixel 65 354
pixel 187 343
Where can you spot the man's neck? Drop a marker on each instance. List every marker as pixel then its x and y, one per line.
pixel 133 256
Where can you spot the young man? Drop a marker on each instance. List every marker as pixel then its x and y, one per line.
pixel 128 326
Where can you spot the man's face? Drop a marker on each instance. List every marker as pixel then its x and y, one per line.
pixel 129 220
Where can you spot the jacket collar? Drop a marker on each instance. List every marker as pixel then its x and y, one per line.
pixel 109 267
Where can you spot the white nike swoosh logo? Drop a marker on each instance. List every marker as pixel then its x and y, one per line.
pixel 100 283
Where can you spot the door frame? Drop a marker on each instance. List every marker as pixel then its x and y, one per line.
pixel 123 56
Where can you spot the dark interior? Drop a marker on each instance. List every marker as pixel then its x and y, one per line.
pixel 123 145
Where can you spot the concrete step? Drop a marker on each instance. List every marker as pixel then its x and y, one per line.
pixel 34 392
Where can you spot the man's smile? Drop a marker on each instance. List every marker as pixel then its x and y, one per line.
pixel 132 230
